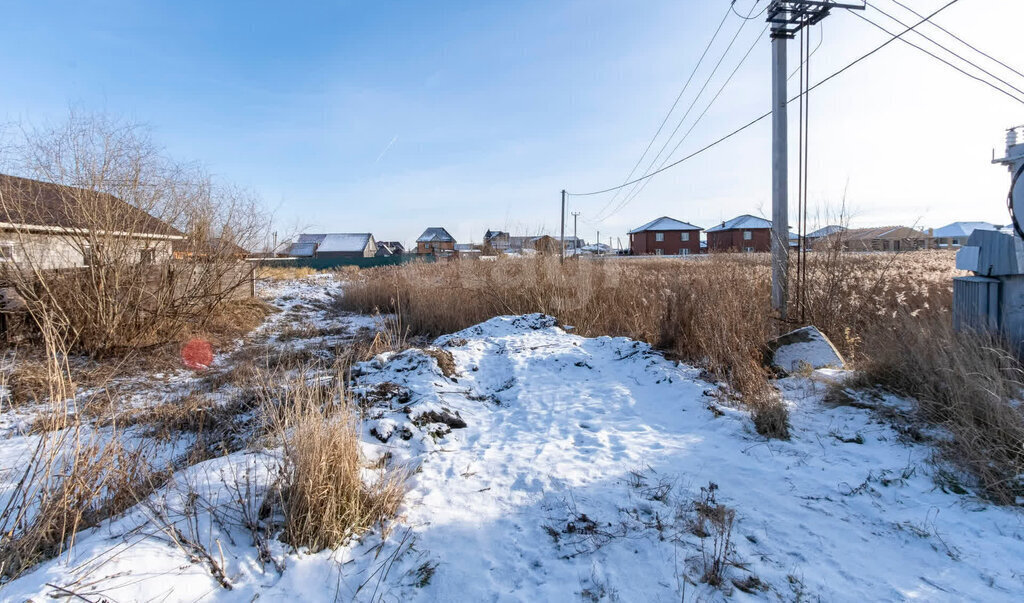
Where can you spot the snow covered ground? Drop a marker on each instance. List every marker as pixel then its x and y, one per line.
pixel 545 466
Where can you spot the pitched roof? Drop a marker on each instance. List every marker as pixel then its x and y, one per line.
pixel 435 234
pixel 490 234
pixel 882 232
pixel 745 221
pixel 962 229
pixel 665 223
pixel 347 242
pixel 826 231
pixel 45 205
pixel 301 250
pixel 311 238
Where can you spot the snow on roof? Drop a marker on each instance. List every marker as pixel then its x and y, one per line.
pixel 435 233
pixel 302 250
pixel 311 238
pixel 961 229
pixel 744 221
pixel 344 242
pixel 665 223
pixel 826 231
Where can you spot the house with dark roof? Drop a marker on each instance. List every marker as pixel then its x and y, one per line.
pixel 386 249
pixel 435 241
pixel 496 240
pixel 665 236
pixel 742 233
pixel 53 226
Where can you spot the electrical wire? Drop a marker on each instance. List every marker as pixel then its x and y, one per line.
pixel 732 5
pixel 765 115
pixel 942 60
pixel 673 107
pixel 821 38
pixel 968 61
pixel 962 41
pixel 640 189
pixel 682 120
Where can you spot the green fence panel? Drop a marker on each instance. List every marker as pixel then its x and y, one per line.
pixel 331 263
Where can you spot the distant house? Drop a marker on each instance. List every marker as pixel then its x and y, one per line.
pixel 952 236
pixel 665 236
pixel 742 233
pixel 435 241
pixel 823 232
pixel 496 240
pixel 334 245
pixel 48 225
pixel 386 249
pixel 885 238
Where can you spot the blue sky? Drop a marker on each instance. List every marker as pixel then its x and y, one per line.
pixel 393 116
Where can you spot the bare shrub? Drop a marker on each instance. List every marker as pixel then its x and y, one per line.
pixel 322 494
pixel 75 477
pixel 968 383
pixel 128 246
pixel 714 521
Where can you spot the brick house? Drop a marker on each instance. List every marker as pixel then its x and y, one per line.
pixel 665 236
pixel 743 233
pixel 435 241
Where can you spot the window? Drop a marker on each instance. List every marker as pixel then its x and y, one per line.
pixel 684 236
pixel 747 235
pixel 748 250
pixel 659 236
pixel 684 251
pixel 957 242
pixel 147 256
pixel 659 252
pixel 87 256
pixel 6 252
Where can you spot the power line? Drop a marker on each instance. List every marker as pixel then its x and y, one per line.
pixel 962 41
pixel 693 103
pixel 668 157
pixel 732 5
pixel 968 61
pixel 938 58
pixel 821 38
pixel 765 115
pixel 673 107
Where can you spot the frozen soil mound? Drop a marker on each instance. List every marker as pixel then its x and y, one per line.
pixel 544 466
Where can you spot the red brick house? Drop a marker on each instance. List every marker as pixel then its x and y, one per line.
pixel 665 236
pixel 742 233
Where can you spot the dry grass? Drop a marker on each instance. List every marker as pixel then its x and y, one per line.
pixel 711 311
pixel 322 494
pixel 76 476
pixel 968 384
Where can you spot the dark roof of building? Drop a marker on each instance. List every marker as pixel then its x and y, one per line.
pixel 665 223
pixel 435 234
pixel 746 221
pixel 45 205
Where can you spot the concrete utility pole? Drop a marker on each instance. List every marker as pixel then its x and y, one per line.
pixel 561 240
pixel 787 17
pixel 575 241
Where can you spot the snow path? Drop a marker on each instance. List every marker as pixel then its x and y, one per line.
pixel 574 478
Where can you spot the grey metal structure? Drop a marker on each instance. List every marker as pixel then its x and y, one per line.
pixel 993 299
pixel 787 18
